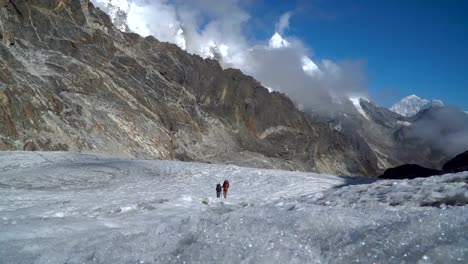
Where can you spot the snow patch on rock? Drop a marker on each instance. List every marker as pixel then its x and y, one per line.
pixel 275 130
pixel 357 103
pixel 403 123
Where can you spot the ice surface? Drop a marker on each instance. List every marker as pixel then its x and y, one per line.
pixel 76 208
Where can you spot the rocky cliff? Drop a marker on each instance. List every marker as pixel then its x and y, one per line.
pixel 71 81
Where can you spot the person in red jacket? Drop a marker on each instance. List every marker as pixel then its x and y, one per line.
pixel 225 188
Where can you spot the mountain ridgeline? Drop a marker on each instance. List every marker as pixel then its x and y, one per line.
pixel 71 81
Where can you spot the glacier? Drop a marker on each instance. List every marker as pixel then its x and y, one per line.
pixel 79 208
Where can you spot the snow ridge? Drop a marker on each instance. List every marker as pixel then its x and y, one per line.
pixel 357 103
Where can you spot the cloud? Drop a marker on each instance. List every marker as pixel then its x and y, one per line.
pixel 445 128
pixel 283 23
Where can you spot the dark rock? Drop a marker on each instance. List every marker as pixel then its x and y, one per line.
pixel 408 171
pixel 457 164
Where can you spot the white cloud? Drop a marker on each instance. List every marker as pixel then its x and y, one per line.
pixel 283 23
pixel 158 19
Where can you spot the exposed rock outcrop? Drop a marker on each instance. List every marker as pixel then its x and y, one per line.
pixel 457 164
pixel 409 171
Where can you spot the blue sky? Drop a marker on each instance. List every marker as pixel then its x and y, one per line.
pixel 410 47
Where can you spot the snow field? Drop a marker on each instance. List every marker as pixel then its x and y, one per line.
pixel 75 208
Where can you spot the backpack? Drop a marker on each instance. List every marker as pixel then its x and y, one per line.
pixel 218 187
pixel 226 185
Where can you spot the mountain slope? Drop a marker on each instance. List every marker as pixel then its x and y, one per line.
pixel 388 139
pixel 73 82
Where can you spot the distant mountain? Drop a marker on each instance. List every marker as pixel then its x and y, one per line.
pixel 411 105
pixel 429 138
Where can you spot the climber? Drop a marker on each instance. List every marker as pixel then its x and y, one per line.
pixel 218 190
pixel 225 188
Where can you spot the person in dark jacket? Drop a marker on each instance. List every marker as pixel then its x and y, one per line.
pixel 218 190
pixel 225 188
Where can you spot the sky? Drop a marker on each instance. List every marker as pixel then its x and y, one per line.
pixel 411 47
pixel 382 50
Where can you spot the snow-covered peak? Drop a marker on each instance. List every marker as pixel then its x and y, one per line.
pixel 411 105
pixel 437 102
pixel 117 11
pixel 309 67
pixel 356 100
pixel 277 42
pixel 215 51
pixel 123 5
pixel 179 38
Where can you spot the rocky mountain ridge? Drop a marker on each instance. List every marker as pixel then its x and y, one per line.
pixel 72 81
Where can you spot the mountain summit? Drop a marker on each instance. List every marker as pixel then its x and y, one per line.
pixel 277 41
pixel 412 104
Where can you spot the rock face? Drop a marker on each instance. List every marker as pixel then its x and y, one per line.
pixel 72 81
pixel 457 164
pixel 387 138
pixel 408 171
